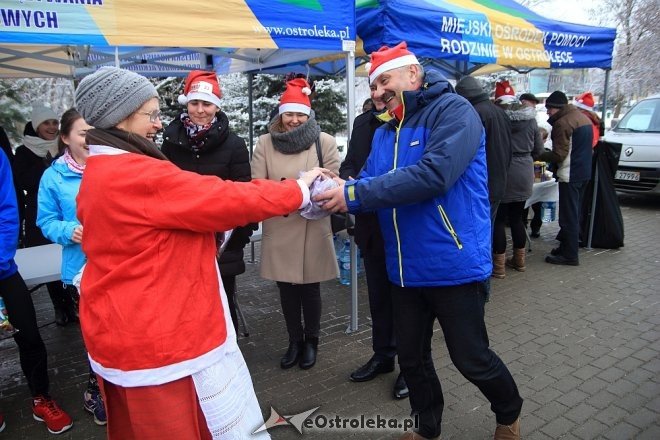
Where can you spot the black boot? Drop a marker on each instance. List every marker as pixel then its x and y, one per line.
pixel 292 355
pixel 61 317
pixel 308 358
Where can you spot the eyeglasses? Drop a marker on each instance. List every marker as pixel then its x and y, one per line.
pixel 153 115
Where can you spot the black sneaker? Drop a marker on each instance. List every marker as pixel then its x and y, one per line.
pixel 560 259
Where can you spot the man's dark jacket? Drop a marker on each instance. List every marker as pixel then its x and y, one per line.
pixel 498 143
pixel 367 230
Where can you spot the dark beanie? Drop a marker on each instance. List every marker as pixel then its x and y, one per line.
pixel 556 99
pixel 469 87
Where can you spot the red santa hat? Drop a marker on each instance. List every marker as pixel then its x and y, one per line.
pixel 296 97
pixel 585 101
pixel 388 58
pixel 504 93
pixel 201 85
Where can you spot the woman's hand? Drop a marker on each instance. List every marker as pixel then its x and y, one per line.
pixel 309 176
pixel 77 234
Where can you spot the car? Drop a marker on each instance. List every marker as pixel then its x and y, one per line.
pixel 638 132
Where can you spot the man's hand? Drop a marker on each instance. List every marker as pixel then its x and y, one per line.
pixel 333 200
pixel 77 234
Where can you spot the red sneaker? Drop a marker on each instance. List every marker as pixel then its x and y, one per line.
pixel 46 410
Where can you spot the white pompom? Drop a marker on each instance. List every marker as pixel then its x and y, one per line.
pixel 367 67
pixel 183 99
pixel 306 91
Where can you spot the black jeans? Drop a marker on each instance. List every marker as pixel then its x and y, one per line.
pixel 570 198
pixel 460 312
pixel 380 306
pixel 31 348
pixel 297 297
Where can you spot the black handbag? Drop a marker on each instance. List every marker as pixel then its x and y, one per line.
pixel 339 221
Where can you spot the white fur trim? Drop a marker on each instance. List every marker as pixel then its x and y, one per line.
pixel 507 99
pixel 405 60
pixel 583 106
pixel 213 99
pixel 295 108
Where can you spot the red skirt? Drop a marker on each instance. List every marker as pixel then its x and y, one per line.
pixel 155 412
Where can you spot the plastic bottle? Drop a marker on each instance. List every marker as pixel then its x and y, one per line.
pixel 4 319
pixel 548 211
pixel 345 264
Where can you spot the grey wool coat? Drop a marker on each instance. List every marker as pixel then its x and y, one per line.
pixel 526 144
pixel 294 249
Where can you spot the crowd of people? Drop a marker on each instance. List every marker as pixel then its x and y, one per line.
pixel 433 174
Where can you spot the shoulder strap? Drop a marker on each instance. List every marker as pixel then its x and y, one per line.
pixel 318 151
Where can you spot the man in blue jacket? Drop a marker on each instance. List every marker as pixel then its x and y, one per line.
pixel 20 309
pixel 426 178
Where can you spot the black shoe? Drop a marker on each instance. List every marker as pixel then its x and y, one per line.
pixel 560 259
pixel 536 233
pixel 308 358
pixel 400 388
pixel 555 251
pixel 371 369
pixel 61 317
pixel 292 355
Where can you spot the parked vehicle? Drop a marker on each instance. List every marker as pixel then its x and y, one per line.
pixel 639 134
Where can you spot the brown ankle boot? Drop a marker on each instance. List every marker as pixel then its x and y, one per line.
pixel 498 265
pixel 518 260
pixel 508 432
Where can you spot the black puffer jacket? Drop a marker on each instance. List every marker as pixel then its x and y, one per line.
pixel 225 155
pixel 367 229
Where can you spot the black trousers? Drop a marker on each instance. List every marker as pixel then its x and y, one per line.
pixel 31 348
pixel 301 297
pixel 536 222
pixel 460 312
pixel 570 199
pixel 380 306
pixel 229 282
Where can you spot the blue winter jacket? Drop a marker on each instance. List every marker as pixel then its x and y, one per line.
pixel 8 220
pixel 426 177
pixel 56 214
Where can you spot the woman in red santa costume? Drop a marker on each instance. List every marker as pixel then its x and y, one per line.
pixel 153 311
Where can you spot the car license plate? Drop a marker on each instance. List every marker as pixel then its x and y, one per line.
pixel 627 175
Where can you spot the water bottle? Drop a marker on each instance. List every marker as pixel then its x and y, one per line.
pixel 4 319
pixel 548 211
pixel 345 264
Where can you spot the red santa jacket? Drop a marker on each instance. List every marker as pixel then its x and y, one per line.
pixel 150 294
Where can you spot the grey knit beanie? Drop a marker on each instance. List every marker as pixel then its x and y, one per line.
pixel 110 95
pixel 469 87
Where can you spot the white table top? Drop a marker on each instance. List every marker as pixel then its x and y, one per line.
pixel 39 264
pixel 547 191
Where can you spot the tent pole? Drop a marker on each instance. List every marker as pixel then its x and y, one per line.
pixel 350 115
pixel 592 217
pixel 250 139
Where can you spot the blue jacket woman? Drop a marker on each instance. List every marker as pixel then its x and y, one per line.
pixel 56 214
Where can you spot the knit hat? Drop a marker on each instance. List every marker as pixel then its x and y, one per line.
pixel 201 85
pixel 529 97
pixel 387 58
pixel 585 101
pixel 110 95
pixel 556 99
pixel 296 97
pixel 41 114
pixel 469 87
pixel 504 93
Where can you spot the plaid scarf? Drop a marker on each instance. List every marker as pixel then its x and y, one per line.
pixel 196 133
